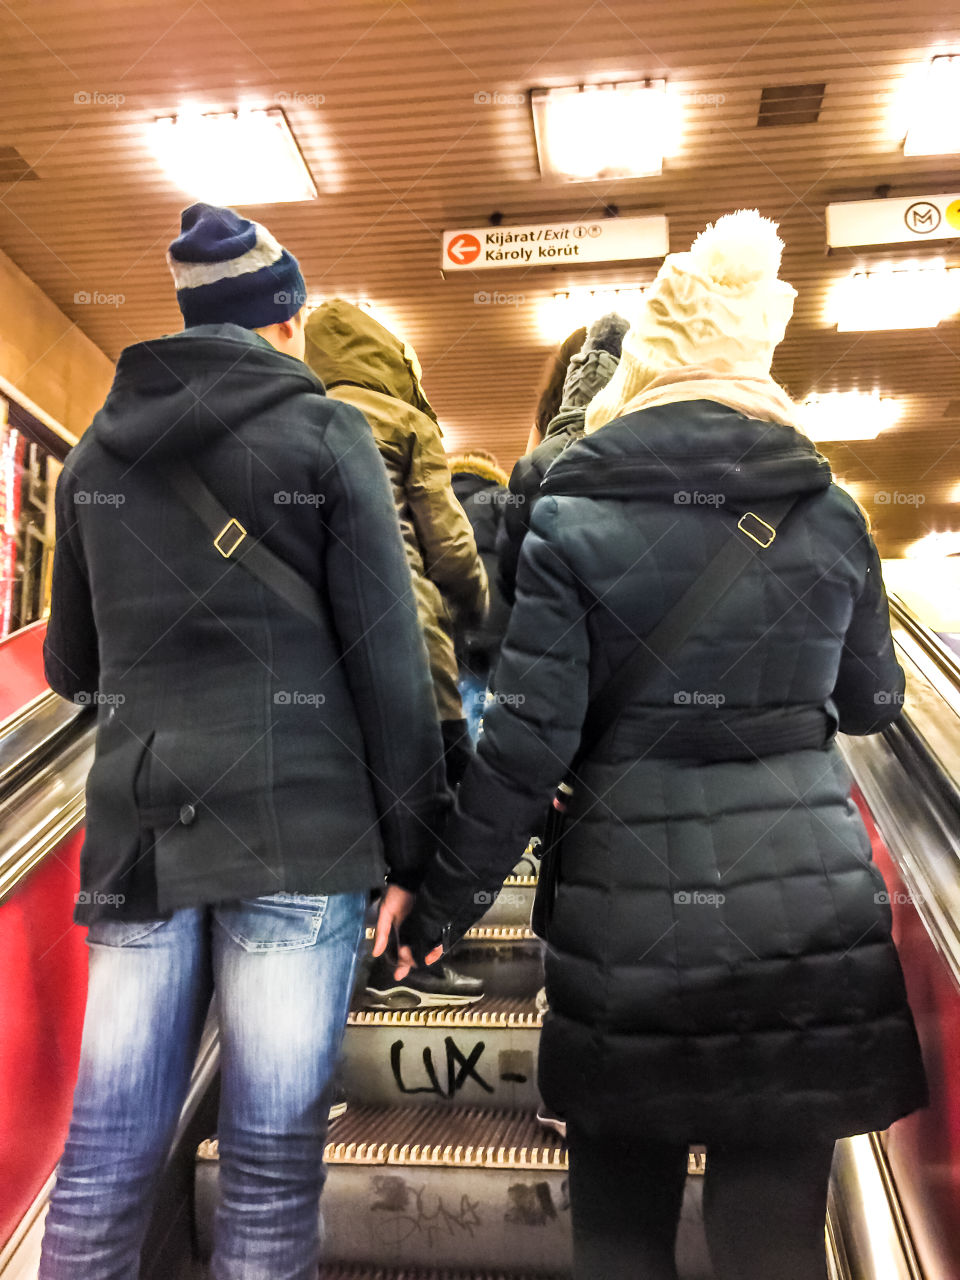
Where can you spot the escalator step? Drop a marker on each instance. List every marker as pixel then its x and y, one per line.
pixel 338 1271
pixel 460 1136
pixel 491 1011
pixel 490 933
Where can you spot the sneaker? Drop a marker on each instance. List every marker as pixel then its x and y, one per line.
pixel 550 1120
pixel 529 864
pixel 435 986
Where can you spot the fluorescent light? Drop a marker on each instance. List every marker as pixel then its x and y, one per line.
pixel 848 415
pixel 564 312
pixel 908 296
pixel 934 126
pixel 935 546
pixel 605 131
pixel 241 157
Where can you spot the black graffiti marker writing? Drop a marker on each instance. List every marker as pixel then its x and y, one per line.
pixel 460 1068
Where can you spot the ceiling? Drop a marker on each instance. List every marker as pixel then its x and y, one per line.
pixel 382 98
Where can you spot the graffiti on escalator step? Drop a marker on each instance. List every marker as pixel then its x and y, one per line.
pixel 412 1211
pixel 515 1067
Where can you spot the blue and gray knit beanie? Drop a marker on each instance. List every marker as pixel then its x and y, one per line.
pixel 228 269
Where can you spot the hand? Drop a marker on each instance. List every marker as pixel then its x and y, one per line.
pixel 394 909
pixel 406 961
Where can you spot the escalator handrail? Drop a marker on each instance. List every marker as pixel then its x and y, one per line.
pixel 30 736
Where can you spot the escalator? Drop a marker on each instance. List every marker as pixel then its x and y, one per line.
pixel 438 1168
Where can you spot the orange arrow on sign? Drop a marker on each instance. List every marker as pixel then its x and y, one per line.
pixel 463 249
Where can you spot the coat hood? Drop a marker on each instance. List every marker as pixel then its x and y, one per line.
pixel 674 451
pixel 173 396
pixel 467 465
pixel 345 344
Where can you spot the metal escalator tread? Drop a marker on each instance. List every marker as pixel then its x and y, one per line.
pixel 458 1136
pixel 491 1011
pixel 347 1271
pixel 490 933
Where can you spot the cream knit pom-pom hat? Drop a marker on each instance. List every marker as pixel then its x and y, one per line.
pixel 720 306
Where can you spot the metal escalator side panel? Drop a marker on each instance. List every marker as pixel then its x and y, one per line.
pixel 867 1238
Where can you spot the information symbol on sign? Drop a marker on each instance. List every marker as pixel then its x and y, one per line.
pixel 922 217
pixel 463 248
pixel 580 232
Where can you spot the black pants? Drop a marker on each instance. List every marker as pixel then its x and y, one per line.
pixel 764 1210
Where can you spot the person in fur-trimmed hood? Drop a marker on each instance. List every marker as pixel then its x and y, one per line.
pixel 587 373
pixel 720 967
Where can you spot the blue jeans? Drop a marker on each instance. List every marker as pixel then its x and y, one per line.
pixel 282 968
pixel 473 695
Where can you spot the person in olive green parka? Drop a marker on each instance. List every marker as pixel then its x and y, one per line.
pixel 365 365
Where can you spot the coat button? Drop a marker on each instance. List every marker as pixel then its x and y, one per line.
pixel 187 814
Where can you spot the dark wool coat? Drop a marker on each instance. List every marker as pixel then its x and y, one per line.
pixel 485 501
pixel 720 965
pixel 241 749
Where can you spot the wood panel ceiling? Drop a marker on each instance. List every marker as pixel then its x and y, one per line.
pixel 402 149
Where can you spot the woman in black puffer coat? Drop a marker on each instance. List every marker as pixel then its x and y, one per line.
pixel 720 968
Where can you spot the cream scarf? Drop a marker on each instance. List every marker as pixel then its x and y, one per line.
pixel 755 397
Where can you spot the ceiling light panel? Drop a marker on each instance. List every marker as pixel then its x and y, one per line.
pixel 889 296
pixel 605 131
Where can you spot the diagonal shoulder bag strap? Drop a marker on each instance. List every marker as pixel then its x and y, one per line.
pixel 233 542
pixel 753 530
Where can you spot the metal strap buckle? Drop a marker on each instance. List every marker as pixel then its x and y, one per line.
pixel 235 528
pixel 759 528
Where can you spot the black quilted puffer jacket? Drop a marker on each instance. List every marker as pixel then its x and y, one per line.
pixel 720 963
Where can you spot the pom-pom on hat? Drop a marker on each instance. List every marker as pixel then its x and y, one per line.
pixel 228 269
pixel 720 306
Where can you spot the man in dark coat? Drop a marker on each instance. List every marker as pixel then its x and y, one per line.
pixel 250 787
pixel 588 372
pixel 720 967
pixel 481 489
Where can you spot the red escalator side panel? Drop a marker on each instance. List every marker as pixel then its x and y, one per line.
pixel 924 1148
pixel 21 668
pixel 43 961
